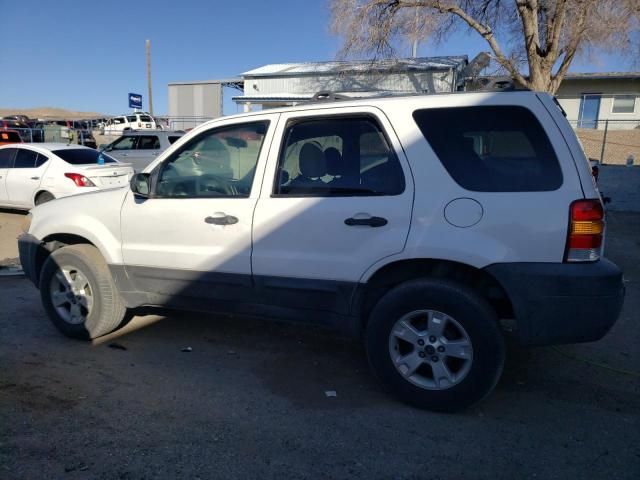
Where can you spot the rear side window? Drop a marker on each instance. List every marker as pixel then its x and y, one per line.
pixel 172 139
pixel 25 159
pixel 492 148
pixel 145 118
pixel 337 157
pixel 82 156
pixel 41 160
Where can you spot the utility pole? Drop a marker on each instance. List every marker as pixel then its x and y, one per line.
pixel 148 43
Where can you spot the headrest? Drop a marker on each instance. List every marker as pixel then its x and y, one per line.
pixel 311 161
pixel 335 164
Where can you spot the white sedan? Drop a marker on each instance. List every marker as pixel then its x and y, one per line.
pixel 32 174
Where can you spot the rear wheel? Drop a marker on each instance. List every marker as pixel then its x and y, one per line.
pixel 78 292
pixel 44 197
pixel 435 344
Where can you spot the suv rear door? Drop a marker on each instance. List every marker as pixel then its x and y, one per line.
pixel 337 197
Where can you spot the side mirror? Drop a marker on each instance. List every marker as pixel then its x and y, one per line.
pixel 141 184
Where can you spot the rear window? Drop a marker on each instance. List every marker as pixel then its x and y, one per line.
pixel 82 156
pixel 492 148
pixel 10 137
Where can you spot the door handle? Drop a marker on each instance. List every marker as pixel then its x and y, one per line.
pixel 35 178
pixel 370 222
pixel 221 219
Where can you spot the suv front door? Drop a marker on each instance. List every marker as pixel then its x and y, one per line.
pixel 337 200
pixel 191 241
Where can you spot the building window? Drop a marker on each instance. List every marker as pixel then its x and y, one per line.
pixel 624 104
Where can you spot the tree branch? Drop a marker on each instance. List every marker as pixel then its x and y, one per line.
pixel 484 30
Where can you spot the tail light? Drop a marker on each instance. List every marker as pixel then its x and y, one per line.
pixel 586 229
pixel 80 180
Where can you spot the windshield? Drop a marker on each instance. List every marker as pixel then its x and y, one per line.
pixel 82 156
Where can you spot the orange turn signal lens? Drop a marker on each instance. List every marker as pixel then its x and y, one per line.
pixel 587 227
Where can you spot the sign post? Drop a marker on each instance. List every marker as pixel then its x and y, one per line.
pixel 135 101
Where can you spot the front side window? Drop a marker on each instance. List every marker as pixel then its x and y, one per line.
pixel 624 104
pixel 492 148
pixel 338 156
pixel 148 142
pixel 217 163
pixel 124 143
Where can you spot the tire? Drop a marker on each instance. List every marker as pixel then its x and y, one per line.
pixel 44 197
pixel 459 368
pixel 87 303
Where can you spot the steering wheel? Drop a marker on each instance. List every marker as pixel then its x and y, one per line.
pixel 207 184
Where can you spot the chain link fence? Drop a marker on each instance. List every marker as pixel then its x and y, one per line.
pixel 610 142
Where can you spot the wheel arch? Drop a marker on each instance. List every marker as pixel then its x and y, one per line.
pixel 39 192
pixel 395 273
pixel 52 243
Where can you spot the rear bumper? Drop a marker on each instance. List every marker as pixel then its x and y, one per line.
pixel 562 303
pixel 29 247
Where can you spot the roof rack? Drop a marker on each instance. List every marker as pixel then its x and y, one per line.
pixel 328 96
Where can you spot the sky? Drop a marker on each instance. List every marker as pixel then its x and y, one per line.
pixel 88 55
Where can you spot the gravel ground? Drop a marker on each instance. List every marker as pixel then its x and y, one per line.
pixel 249 402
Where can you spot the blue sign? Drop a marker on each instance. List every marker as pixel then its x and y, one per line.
pixel 135 100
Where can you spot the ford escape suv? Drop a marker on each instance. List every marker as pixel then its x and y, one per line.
pixel 429 226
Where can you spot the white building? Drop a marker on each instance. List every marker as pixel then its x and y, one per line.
pixel 599 100
pixel 290 83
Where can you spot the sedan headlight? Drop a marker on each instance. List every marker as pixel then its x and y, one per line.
pixel 26 223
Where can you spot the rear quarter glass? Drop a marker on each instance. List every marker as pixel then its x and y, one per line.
pixel 500 148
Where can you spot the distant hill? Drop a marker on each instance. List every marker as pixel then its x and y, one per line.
pixel 51 112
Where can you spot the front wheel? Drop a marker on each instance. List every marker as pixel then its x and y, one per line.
pixel 78 292
pixel 435 344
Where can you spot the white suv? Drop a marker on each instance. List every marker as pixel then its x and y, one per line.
pixel 431 226
pixel 125 123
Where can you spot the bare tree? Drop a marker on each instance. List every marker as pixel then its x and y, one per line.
pixel 534 41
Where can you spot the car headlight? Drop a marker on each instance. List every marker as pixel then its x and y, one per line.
pixel 26 223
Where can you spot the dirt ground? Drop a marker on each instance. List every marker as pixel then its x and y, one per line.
pixel 10 228
pixel 249 402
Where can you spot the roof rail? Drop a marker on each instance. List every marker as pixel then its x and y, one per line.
pixel 328 96
pixel 501 84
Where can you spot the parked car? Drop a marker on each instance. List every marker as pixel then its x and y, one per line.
pixel 141 148
pixel 18 118
pixel 123 123
pixel 9 136
pixel 32 174
pixel 432 227
pixel 18 126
